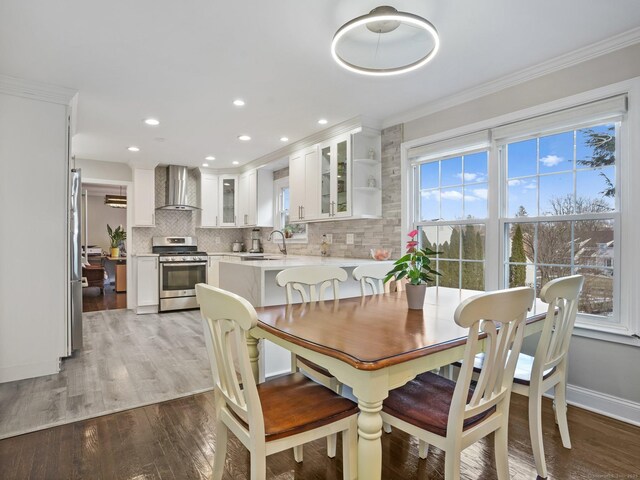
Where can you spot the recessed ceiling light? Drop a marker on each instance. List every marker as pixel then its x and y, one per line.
pixel 133 149
pixel 152 121
pixel 211 158
pixel 235 162
pixel 322 121
pixel 238 102
pixel 284 139
pixel 205 164
pixel 244 138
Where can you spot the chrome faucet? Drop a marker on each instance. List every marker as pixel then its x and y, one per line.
pixel 283 248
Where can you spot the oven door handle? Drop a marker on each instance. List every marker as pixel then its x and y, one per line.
pixel 182 264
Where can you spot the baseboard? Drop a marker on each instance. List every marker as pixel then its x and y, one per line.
pixel 604 404
pixel 30 370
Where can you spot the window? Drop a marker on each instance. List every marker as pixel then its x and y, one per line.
pixel 560 215
pixel 525 202
pixel 452 209
pixel 295 232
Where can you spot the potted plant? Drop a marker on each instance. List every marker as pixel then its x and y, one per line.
pixel 415 266
pixel 118 235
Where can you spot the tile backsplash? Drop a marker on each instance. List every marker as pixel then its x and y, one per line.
pixel 384 232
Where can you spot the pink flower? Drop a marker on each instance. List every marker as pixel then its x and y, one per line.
pixel 412 244
pixel 413 233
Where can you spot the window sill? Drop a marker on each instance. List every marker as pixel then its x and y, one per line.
pixel 622 336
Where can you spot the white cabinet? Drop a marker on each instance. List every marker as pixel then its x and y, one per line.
pixel 228 195
pixel 144 197
pixel 304 185
pixel 147 282
pixel 338 179
pixel 335 178
pixel 255 204
pixel 247 201
pixel 208 200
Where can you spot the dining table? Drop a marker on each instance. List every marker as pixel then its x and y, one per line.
pixel 372 344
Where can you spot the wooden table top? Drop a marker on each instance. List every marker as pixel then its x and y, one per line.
pixel 372 332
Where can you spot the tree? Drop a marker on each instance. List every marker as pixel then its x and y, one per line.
pixel 604 155
pixel 517 273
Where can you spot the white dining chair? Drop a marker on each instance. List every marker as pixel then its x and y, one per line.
pixel 548 367
pixel 311 284
pixel 276 415
pixel 371 278
pixel 451 415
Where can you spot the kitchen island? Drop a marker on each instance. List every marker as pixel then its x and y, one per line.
pixel 255 280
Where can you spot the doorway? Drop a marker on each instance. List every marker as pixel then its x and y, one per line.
pixel 104 226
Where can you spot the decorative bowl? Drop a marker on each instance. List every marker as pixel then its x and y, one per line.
pixel 381 253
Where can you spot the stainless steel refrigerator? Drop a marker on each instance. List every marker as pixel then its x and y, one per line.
pixel 74 318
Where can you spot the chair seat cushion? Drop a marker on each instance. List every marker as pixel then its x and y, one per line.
pixel 293 404
pixel 309 365
pixel 523 370
pixel 425 402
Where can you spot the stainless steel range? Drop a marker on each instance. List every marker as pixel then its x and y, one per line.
pixel 182 266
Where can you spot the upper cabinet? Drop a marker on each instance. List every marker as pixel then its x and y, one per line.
pixel 304 185
pixel 228 185
pixel 144 197
pixel 255 204
pixel 337 179
pixel 207 216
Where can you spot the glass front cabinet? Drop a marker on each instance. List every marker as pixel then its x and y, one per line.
pixel 335 178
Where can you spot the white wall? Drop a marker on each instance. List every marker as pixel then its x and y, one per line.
pixel 96 169
pixel 33 262
pixel 99 215
pixel 597 369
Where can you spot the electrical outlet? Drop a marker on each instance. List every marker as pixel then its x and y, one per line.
pixel 329 237
pixel 350 238
pixel 217 240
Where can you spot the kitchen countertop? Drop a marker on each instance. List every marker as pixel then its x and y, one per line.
pixel 287 261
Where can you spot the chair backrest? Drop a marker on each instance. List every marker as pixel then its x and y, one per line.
pixel 372 275
pixel 314 278
pixel 501 316
pixel 561 294
pixel 226 318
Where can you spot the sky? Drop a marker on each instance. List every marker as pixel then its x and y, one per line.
pixel 456 188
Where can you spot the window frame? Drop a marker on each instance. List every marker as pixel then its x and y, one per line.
pixel 278 186
pixel 626 231
pixel 415 167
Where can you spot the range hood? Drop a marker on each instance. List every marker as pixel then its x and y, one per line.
pixel 176 191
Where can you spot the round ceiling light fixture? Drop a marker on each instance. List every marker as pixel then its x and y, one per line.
pixel 385 42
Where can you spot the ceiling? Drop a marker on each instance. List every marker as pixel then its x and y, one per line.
pixel 184 62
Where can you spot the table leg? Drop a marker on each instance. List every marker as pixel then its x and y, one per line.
pixel 369 443
pixel 254 356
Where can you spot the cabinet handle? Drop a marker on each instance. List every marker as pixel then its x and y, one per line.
pixel 302 208
pixel 216 220
pixel 209 261
pixel 299 212
pixel 246 218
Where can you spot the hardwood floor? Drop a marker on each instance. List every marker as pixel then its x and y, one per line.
pixel 176 440
pixel 127 360
pixel 93 300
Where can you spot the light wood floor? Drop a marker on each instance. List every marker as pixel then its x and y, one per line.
pixel 176 440
pixel 127 360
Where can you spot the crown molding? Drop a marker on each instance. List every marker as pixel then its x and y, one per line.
pixel 341 128
pixel 611 44
pixel 36 90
